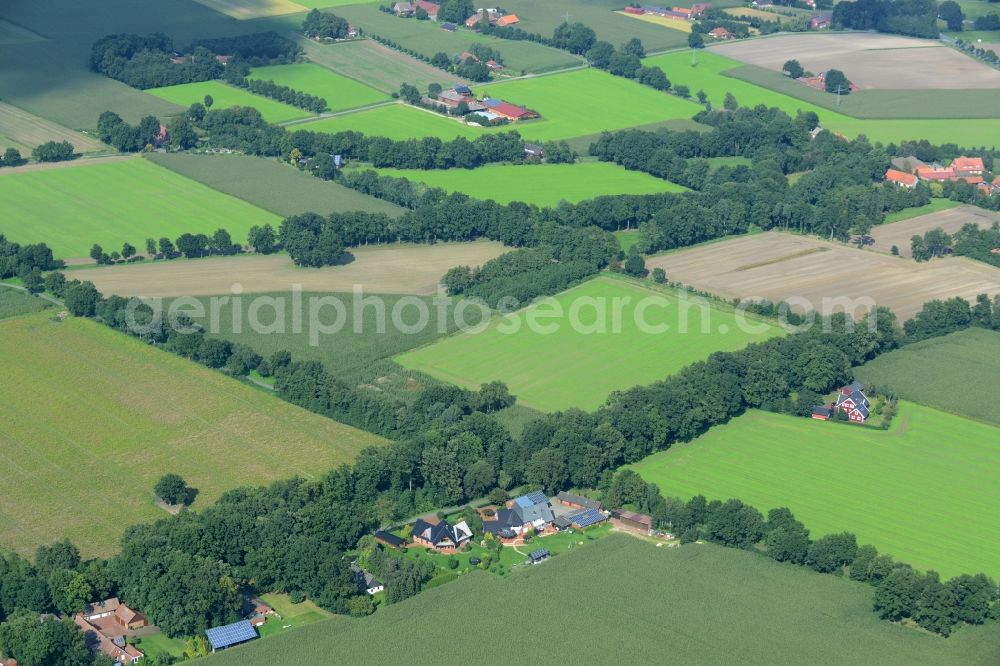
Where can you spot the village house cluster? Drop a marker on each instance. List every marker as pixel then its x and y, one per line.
pixel 493 15
pixel 490 108
pixel 908 171
pixel 691 13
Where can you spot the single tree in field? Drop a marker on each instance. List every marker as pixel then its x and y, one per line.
pixel 950 12
pixel 659 276
pixel 208 101
pixel 172 489
pixel 150 247
pixel 702 96
pixel 128 251
pixel 836 82
pixel 11 157
pixel 96 252
pixel 696 41
pixel 793 69
pixel 730 103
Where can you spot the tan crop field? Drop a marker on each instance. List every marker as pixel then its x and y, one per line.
pixel 387 269
pixel 872 61
pixel 22 130
pixel 251 9
pixel 90 419
pixel 951 220
pixel 812 273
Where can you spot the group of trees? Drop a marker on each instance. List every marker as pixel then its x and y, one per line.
pixel 917 18
pixel 111 129
pixel 284 94
pixel 939 317
pixel 989 21
pixel 26 262
pixel 187 245
pixel 150 61
pixel 325 25
pixel 11 158
pixel 969 241
pixel 900 591
pixel 53 151
pixel 626 62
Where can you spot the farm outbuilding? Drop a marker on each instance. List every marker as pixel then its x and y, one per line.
pixel 229 635
pixel 638 521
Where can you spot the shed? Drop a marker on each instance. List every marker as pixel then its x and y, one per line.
pixel 540 555
pixel 388 539
pixel 569 499
pixel 632 519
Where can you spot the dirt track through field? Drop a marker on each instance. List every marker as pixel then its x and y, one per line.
pixel 871 61
pixel 388 269
pixel 812 273
pixel 951 220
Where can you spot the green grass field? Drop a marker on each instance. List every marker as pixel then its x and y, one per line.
pixel 14 302
pixel 923 491
pixel 957 373
pixel 339 91
pixel 110 203
pixel 566 102
pixel 578 366
pixel 540 184
pixel 378 66
pixel 621 600
pixel 116 415
pixel 292 615
pixel 709 75
pixel 428 38
pixel 271 185
pixel 627 238
pixel 935 206
pixel 225 96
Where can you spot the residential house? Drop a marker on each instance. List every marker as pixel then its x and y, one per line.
pixel 402 9
pixel 631 519
pixel 462 90
pixel 509 19
pixel 901 178
pixel 223 59
pixel 492 15
pixel 430 7
pixel 103 634
pixel 465 55
pixel 683 12
pixel 367 583
pixel 909 164
pixel 531 511
pixel 442 536
pixel 352 31
pixel 699 8
pixel 852 400
pixel 390 540
pixel 720 33
pixel 494 66
pixel 536 151
pixel 968 166
pixel 936 173
pixel 995 185
pixel 819 23
pixel 576 501
pixel 819 82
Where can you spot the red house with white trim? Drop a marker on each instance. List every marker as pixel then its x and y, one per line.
pixel 853 401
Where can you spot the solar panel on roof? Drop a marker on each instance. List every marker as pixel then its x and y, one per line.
pixel 231 634
pixel 587 517
pixel 537 497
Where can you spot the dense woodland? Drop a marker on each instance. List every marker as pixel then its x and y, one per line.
pixel 148 61
pixel 917 18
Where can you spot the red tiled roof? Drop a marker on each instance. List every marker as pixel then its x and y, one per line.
pixel 963 163
pixel 930 173
pixel 509 110
pixel 900 177
pixel 429 7
pixel 510 19
pixel 974 180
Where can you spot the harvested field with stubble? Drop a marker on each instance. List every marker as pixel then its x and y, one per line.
pixel 90 419
pixel 951 220
pixel 872 61
pixel 387 269
pixel 22 130
pixel 252 9
pixel 780 266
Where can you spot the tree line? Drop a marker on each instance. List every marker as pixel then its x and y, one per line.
pixel 900 591
pixel 969 241
pixel 917 18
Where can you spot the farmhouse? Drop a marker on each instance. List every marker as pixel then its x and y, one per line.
pixel 492 15
pixel 531 511
pixel 908 164
pixel 367 583
pixel 720 33
pixel 402 9
pixel 819 82
pixel 819 23
pixel 220 638
pixel 430 7
pixel 509 19
pixel 968 166
pixel 901 178
pixel 494 66
pixel 442 536
pixel 852 400
pixel 105 624
pixel 508 110
pixel 576 501
pixel 935 173
pixel 682 12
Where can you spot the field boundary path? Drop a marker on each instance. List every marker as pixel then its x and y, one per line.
pixel 68 164
pixel 334 114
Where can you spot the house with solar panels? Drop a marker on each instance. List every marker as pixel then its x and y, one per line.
pixel 221 638
pixel 531 511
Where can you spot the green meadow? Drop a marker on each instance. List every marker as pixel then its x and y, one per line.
pixel 568 104
pixel 935 206
pixel 709 75
pixel 339 91
pixel 130 200
pixel 924 491
pixel 225 96
pixel 958 373
pixel 606 603
pixel 572 350
pixel 540 184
